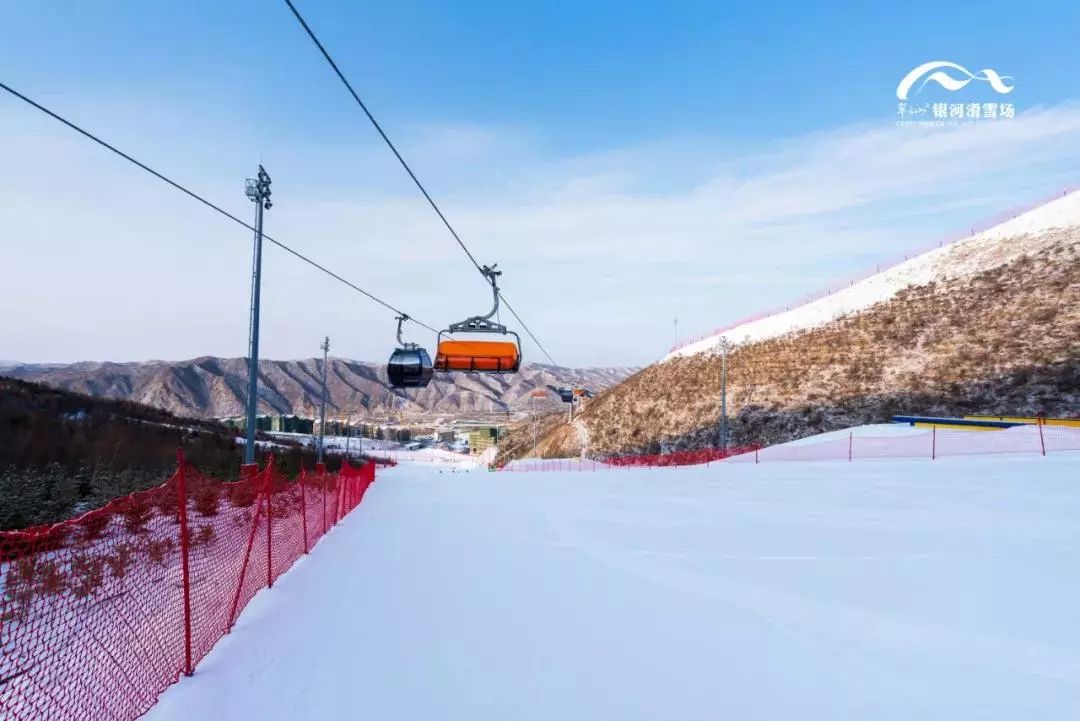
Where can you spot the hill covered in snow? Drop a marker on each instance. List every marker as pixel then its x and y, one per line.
pixel 990 323
pixel 1030 233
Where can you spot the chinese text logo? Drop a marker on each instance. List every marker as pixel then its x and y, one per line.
pixel 951 77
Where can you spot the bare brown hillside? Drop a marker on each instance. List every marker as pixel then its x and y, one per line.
pixel 554 438
pixel 1005 340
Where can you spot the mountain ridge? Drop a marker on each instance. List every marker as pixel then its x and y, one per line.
pixel 214 387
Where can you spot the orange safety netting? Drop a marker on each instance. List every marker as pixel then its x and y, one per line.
pixel 100 613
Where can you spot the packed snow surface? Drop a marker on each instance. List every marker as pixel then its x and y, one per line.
pixel 904 589
pixel 1026 233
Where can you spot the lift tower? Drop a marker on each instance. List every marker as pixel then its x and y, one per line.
pixel 258 190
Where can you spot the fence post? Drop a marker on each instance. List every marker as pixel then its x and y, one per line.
pixel 1042 440
pixel 247 558
pixel 850 445
pixel 343 494
pixel 757 447
pixel 334 502
pixel 269 522
pixel 320 469
pixel 303 506
pixel 339 499
pixel 181 500
pixel 933 442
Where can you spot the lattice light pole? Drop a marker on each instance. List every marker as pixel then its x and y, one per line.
pixel 258 190
pixel 348 432
pixel 322 408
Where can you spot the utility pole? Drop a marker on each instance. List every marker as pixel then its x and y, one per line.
pixel 676 334
pixel 258 191
pixel 348 432
pixel 723 392
pixel 322 410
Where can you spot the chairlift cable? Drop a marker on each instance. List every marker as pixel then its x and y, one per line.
pixel 217 208
pixel 405 165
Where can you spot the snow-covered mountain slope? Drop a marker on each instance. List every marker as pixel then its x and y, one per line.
pixel 1026 234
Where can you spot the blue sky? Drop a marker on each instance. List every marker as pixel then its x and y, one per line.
pixel 627 163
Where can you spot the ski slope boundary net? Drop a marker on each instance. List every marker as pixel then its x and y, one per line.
pixel 99 614
pixel 674 458
pixel 933 444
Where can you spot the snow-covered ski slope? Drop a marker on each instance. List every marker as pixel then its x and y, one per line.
pixel 1025 234
pixel 883 589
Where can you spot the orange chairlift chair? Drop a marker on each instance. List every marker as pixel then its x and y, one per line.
pixel 480 356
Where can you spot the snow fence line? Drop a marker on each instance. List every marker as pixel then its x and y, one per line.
pixel 935 443
pixel 674 458
pixel 99 614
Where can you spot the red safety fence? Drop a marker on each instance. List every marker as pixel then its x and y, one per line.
pixel 677 458
pixel 100 613
pixel 932 444
pixel 674 458
pixel 554 465
pixel 381 460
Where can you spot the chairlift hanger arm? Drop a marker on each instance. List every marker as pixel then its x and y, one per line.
pixel 483 323
pixel 401 319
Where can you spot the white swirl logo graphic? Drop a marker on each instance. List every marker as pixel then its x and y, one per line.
pixel 936 71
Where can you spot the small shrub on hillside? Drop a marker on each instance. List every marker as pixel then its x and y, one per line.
pixel 19 588
pixel 203 537
pixel 158 550
pixel 137 513
pixel 207 499
pixel 94 525
pixel 242 495
pixel 119 561
pixel 87 573
pixel 50 578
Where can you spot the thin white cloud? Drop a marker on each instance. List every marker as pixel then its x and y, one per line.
pixel 590 243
